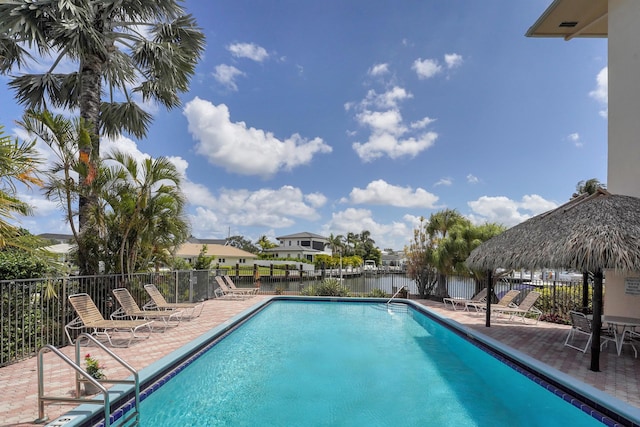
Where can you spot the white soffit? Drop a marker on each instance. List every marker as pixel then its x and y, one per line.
pixel 572 18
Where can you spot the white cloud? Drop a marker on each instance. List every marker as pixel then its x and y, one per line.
pixel 426 68
pixel 453 60
pixel 388 134
pixel 316 200
pixel 472 179
pixel 248 50
pixel 379 192
pixel 242 149
pixel 394 235
pixel 601 92
pixel 379 69
pixel 389 121
pixel 446 181
pixel 388 99
pixel 382 144
pixel 226 76
pixel 244 208
pixel 508 212
pixel 575 139
pixel 421 124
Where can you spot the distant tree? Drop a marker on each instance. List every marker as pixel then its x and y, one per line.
pixel 589 186
pixel 264 243
pixel 203 262
pixel 241 242
pixel 336 243
pixel 438 228
pixel 420 264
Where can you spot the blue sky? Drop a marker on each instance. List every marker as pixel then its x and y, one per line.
pixel 343 116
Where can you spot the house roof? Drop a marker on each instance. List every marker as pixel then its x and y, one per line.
pixel 304 234
pixel 207 241
pixel 572 18
pixel 193 250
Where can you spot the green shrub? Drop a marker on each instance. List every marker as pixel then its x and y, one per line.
pixel 328 288
pixel 377 293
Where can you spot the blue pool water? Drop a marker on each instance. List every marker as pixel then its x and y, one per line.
pixel 299 363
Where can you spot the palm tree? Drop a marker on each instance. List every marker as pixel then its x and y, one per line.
pixel 438 228
pixel 589 186
pixel 149 48
pixel 336 243
pixel 141 197
pixel 61 135
pixel 264 243
pixel 18 163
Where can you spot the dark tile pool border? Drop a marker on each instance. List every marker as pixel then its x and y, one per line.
pixel 604 408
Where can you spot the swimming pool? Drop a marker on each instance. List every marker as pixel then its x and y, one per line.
pixel 351 364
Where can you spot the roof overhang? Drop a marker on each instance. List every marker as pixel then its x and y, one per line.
pixel 572 18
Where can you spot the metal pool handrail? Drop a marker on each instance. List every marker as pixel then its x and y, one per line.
pixel 81 375
pixel 397 292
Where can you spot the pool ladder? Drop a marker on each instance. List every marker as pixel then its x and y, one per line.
pixel 81 376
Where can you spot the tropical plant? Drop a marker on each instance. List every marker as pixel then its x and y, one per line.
pixel 203 262
pixel 144 48
pixel 264 243
pixel 589 186
pixel 146 206
pixel 328 287
pixel 440 247
pixel 93 367
pixel 19 163
pixel 443 256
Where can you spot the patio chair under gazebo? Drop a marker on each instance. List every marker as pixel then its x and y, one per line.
pixel 590 233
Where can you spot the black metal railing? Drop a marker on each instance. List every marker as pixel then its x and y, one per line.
pixel 33 312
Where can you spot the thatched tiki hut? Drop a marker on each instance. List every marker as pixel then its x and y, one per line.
pixel 591 233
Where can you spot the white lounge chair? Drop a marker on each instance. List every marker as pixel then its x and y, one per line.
pixel 190 309
pixel 233 286
pixel 223 291
pixel 455 302
pixel 90 319
pixel 129 309
pixel 526 307
pixel 505 301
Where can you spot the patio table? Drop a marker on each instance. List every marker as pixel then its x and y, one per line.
pixel 621 325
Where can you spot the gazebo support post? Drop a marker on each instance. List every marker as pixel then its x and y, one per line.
pixel 585 291
pixel 489 296
pixel 597 320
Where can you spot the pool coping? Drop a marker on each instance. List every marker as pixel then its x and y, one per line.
pixel 154 375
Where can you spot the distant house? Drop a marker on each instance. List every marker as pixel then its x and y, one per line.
pixel 224 254
pixel 300 245
pixel 393 260
pixel 57 238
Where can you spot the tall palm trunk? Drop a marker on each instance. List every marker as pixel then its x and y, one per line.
pixel 91 86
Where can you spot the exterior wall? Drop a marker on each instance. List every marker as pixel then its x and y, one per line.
pixel 623 167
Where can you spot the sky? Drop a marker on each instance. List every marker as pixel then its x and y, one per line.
pixel 343 116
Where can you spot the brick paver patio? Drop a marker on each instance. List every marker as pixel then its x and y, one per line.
pixel 619 375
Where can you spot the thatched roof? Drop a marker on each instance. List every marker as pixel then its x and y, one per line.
pixel 590 232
